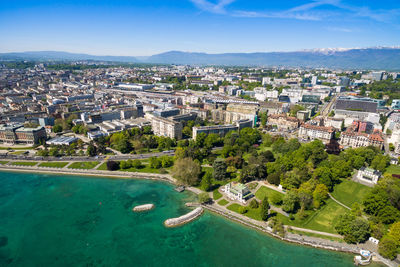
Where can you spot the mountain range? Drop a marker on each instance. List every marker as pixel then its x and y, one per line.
pixel 387 58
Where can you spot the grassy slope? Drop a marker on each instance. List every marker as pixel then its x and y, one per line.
pixel 216 194
pixel 53 164
pixel 251 213
pixel 393 169
pixel 83 165
pixel 24 163
pixel 265 191
pixel 223 202
pixel 349 192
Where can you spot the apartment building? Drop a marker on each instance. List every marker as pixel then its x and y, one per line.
pixel 165 126
pixel 312 132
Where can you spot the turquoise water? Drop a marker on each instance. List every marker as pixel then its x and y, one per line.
pixel 48 220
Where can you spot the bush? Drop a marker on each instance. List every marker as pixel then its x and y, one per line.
pixel 112 165
pixel 162 171
pixel 242 210
pixel 275 198
pixel 137 164
pixel 203 198
pixel 388 247
pixel 274 178
pixel 155 163
pixel 254 204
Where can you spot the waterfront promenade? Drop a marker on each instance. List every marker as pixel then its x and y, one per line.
pixel 215 208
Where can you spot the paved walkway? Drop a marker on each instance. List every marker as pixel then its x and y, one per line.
pixel 66 166
pixel 273 187
pixel 337 201
pixel 312 231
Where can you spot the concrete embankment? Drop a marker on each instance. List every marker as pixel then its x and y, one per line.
pixel 85 172
pixel 173 222
pixel 144 207
pixel 294 238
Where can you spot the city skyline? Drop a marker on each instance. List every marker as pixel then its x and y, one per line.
pixel 143 28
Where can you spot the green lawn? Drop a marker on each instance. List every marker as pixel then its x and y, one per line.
pixel 393 169
pixel 103 167
pixel 323 219
pixel 83 165
pixel 20 152
pixel 53 164
pixel 3 162
pixel 146 168
pixel 223 202
pixel 320 220
pixel 251 213
pixel 216 194
pixel 349 192
pixel 264 191
pixel 24 163
pixel 15 148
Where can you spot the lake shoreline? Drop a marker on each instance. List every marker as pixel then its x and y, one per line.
pixel 300 240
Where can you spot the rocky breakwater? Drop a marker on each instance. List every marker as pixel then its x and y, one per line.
pixel 144 207
pixel 173 222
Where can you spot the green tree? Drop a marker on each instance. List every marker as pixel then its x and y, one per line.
pixel 137 164
pixel 91 150
pixel 187 171
pixel 57 128
pixel 320 194
pixel 264 209
pixel 394 232
pixel 206 183
pixel 219 167
pixel 155 163
pixel 290 202
pixel 167 161
pixel 354 229
pixel 253 204
pixel 388 247
pixel 264 118
pixel 204 198
pixel 112 165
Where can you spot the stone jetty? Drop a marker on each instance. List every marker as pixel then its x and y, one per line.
pixel 173 222
pixel 143 207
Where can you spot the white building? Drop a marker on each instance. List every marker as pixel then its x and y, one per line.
pixel 261 94
pixel 369 175
pixel 237 191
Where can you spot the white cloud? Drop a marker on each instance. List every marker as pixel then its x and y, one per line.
pixel 339 29
pixel 303 12
pixel 217 8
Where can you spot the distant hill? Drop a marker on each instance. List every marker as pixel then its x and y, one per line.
pixel 370 58
pixel 56 55
pixel 363 58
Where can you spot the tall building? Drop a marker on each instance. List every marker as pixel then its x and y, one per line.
pixel 377 75
pixel 314 80
pixel 221 130
pixel 165 126
pixel 344 81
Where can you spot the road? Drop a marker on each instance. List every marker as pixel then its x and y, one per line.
pixel 327 109
pixel 97 158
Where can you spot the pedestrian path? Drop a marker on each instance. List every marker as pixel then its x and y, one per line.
pixel 337 201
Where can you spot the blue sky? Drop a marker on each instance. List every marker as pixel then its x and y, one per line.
pixel 146 27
